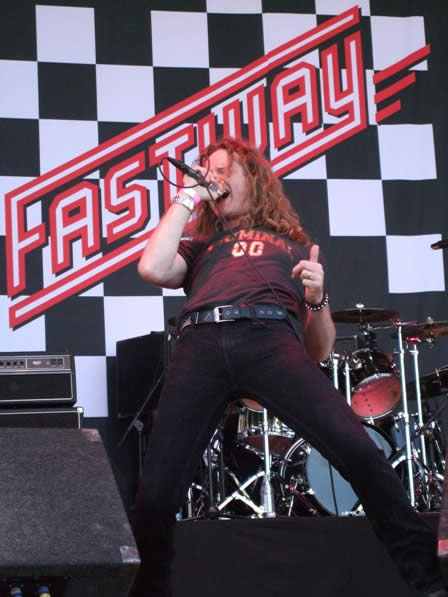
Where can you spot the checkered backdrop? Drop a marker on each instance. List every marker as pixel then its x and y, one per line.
pixel 74 75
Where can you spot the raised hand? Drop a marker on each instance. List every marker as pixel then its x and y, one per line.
pixel 311 273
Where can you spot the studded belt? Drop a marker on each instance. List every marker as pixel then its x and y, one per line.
pixel 223 313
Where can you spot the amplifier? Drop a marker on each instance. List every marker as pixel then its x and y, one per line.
pixel 45 418
pixel 36 378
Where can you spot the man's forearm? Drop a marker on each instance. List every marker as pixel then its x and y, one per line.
pixel 319 334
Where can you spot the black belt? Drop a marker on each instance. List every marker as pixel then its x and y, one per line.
pixel 224 313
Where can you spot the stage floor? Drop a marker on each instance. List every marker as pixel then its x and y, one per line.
pixel 310 557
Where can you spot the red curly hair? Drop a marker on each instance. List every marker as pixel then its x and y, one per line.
pixel 269 206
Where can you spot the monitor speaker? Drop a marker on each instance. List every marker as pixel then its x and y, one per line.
pixel 62 518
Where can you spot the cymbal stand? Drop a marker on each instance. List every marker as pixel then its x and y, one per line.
pixel 408 446
pixel 414 352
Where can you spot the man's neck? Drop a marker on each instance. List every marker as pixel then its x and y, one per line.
pixel 237 221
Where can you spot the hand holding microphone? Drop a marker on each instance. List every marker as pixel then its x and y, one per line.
pixel 206 187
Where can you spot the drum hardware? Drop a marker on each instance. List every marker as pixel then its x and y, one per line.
pixel 344 360
pixel 212 509
pixel 241 494
pixel 250 433
pixel 189 504
pixel 431 385
pixel 414 352
pixel 267 494
pixel 429 330
pixel 414 333
pixel 428 476
pixel 267 508
pixel 216 472
pixel 218 504
pixel 404 399
pixel 309 475
pixel 334 359
pixel 362 315
pixel 290 495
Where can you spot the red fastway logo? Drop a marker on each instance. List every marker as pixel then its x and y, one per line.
pixel 297 96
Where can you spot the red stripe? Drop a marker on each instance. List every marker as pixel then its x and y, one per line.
pixel 395 88
pixel 413 58
pixel 387 111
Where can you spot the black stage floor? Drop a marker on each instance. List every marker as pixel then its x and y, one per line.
pixel 306 557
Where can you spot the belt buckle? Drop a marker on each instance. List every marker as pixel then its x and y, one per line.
pixel 217 314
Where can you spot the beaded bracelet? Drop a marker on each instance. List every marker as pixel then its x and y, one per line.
pixel 323 303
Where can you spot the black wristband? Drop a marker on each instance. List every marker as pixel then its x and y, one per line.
pixel 323 303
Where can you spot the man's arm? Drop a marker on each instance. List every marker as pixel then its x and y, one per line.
pixel 319 333
pixel 160 263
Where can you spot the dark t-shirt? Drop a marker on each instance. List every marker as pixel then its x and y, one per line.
pixel 220 274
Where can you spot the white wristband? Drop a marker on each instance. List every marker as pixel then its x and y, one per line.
pixel 185 200
pixel 191 193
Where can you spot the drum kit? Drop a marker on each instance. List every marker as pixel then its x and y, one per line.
pixel 256 466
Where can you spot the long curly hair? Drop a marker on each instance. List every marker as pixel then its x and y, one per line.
pixel 269 206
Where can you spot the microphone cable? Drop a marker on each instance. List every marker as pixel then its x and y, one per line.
pixel 249 258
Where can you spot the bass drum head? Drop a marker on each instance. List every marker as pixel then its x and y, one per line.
pixel 331 492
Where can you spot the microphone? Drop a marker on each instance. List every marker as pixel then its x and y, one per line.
pixel 441 244
pixel 213 186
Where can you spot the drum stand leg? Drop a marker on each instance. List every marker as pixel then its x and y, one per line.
pixel 241 494
pixel 267 493
pixel 335 367
pixel 409 455
pixel 414 353
pixel 348 385
pixel 267 508
pixel 212 509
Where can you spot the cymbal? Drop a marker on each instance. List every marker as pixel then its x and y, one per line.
pixel 363 315
pixel 425 331
pixel 431 385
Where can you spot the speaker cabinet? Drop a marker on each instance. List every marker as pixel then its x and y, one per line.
pixel 140 363
pixel 62 518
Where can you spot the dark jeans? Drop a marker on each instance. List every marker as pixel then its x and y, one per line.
pixel 263 359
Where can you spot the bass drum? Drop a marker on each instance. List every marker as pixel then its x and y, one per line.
pixel 308 477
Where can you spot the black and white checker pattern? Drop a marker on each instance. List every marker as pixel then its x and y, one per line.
pixel 76 73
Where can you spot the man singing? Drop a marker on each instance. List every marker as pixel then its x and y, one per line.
pixel 255 322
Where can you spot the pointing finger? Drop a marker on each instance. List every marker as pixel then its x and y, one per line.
pixel 314 253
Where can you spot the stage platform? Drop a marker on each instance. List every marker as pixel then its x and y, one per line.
pixel 306 557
